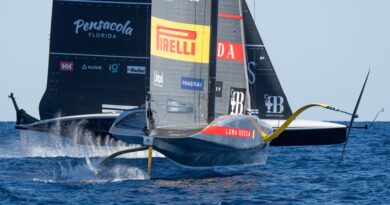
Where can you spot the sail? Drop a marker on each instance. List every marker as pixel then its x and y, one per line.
pixel 99 55
pixel 179 65
pixel 266 91
pixel 231 79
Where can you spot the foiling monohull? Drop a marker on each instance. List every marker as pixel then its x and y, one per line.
pixel 90 69
pixel 196 46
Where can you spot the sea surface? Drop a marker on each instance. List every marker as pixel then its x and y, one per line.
pixel 38 168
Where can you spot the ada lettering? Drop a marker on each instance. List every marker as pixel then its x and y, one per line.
pixel 230 51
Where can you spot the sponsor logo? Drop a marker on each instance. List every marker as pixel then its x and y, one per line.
pixel 251 72
pixel 218 88
pixel 187 45
pixel 102 29
pixel 237 101
pixel 136 70
pixel 230 51
pixel 179 107
pixel 180 41
pixel 274 104
pixel 230 132
pixel 66 66
pixel 158 79
pixel 114 68
pixel 91 67
pixel 192 83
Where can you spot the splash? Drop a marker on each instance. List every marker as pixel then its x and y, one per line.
pixel 82 144
pixel 89 172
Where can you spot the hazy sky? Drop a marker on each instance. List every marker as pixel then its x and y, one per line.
pixel 321 51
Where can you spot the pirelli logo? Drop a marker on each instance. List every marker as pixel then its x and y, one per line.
pixel 180 41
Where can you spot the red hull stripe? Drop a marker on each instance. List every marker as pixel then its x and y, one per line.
pixel 229 132
pixel 230 16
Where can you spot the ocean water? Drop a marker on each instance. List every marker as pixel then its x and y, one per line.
pixel 38 168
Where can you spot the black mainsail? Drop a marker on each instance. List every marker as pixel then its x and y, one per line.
pixel 96 48
pixel 266 91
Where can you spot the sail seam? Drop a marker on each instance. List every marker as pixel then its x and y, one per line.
pixel 106 2
pixel 95 55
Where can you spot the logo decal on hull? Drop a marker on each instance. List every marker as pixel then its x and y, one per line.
pixel 230 132
pixel 180 41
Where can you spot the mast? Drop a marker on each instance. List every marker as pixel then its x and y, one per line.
pixel 231 80
pixel 249 105
pixel 213 58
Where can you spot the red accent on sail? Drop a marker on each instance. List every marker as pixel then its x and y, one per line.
pixel 230 16
pixel 230 51
pixel 171 40
pixel 228 132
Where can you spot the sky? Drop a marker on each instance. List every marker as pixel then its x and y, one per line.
pixel 321 51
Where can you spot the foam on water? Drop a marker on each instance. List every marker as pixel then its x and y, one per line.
pixel 38 144
pixel 89 172
pixel 292 175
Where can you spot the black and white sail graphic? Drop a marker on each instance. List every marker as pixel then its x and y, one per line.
pixel 99 55
pixel 180 47
pixel 232 88
pixel 266 91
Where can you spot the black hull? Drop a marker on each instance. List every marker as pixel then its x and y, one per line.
pixel 75 128
pixel 203 154
pixel 310 136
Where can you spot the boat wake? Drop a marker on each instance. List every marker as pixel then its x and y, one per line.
pixel 37 144
pixel 88 172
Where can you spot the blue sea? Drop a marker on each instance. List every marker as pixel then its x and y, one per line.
pixel 38 168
